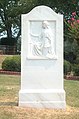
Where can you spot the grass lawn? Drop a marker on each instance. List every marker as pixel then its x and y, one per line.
pixel 9 88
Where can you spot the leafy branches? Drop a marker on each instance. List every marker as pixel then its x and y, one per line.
pixel 10 15
pixel 73 27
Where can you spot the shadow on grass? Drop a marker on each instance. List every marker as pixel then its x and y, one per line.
pixel 9 103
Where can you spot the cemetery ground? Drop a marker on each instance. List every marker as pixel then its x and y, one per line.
pixel 9 109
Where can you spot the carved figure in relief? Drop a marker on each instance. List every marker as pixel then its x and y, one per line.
pixel 43 46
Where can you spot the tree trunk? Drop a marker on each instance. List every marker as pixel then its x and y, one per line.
pixel 9 33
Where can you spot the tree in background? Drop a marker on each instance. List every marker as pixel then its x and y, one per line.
pixel 72 41
pixel 10 12
pixel 73 27
pixel 9 18
pixel 10 22
pixel 65 7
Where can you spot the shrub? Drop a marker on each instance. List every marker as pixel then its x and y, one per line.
pixel 77 60
pixel 76 69
pixel 12 63
pixel 67 67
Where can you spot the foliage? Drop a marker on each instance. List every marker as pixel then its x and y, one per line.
pixel 10 11
pixel 65 7
pixel 77 59
pixel 6 41
pixel 75 69
pixel 12 63
pixel 67 67
pixel 71 50
pixel 72 25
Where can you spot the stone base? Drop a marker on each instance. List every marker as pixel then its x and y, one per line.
pixel 42 98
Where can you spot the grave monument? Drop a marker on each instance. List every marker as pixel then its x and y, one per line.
pixel 42 59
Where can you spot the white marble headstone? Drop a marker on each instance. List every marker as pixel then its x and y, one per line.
pixel 42 59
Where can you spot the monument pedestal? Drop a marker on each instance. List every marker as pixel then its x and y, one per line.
pixel 42 98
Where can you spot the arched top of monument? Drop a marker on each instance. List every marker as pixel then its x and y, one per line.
pixel 43 8
pixel 42 12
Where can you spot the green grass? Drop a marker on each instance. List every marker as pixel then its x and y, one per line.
pixel 9 87
pixel 72 92
pixel 9 90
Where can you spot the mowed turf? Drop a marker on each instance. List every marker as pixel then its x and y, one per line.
pixel 9 109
